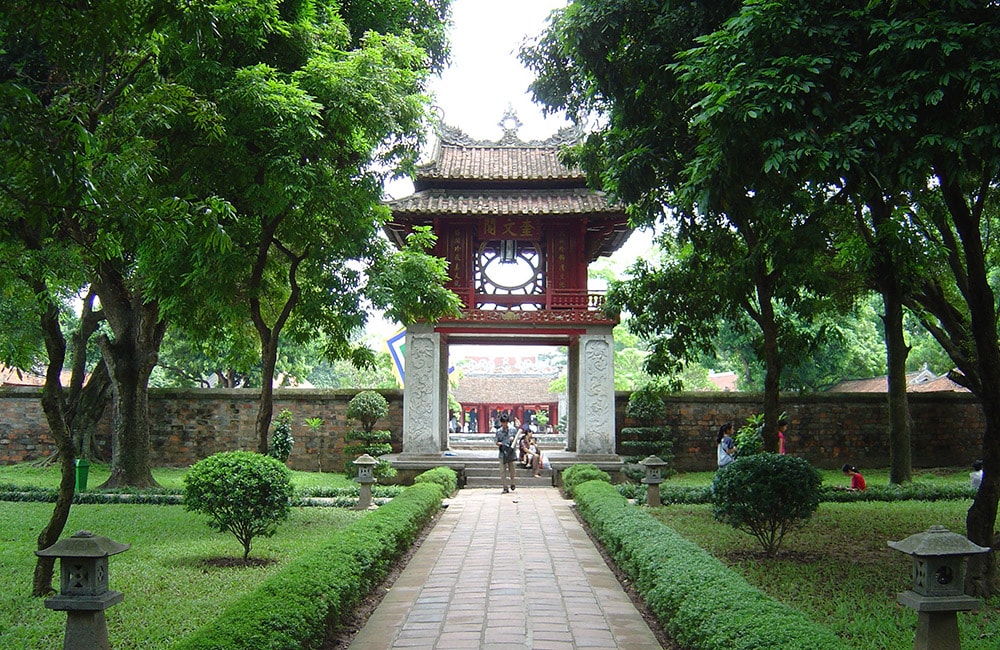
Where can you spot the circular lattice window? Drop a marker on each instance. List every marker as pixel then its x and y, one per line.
pixel 509 267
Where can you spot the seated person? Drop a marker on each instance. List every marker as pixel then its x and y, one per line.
pixel 524 447
pixel 857 481
pixel 532 457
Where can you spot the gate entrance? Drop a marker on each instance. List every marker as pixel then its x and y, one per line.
pixel 518 229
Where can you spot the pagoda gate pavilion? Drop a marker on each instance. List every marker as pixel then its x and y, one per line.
pixel 518 229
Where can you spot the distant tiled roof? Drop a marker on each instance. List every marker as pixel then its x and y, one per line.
pixel 919 382
pixel 503 201
pixel 504 389
pixel 493 164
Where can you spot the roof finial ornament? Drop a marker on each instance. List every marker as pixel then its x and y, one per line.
pixel 510 124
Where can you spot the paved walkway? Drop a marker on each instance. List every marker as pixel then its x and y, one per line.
pixel 502 571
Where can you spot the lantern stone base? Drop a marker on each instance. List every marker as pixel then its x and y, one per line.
pixel 937 619
pixel 86 625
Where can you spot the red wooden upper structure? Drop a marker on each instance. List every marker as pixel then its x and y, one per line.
pixel 518 229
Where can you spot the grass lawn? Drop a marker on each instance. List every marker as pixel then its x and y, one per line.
pixel 838 569
pixel 169 589
pixel 170 478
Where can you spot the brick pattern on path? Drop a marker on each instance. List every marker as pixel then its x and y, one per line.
pixel 502 571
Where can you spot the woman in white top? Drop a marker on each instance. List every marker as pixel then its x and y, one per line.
pixel 725 447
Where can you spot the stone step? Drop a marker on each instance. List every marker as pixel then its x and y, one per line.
pixel 525 479
pixel 486 473
pixel 474 441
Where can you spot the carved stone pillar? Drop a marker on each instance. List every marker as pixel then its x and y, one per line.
pixel 595 402
pixel 425 404
pixel 572 393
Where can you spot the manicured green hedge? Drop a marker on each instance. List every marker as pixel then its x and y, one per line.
pixel 700 602
pixel 346 497
pixel 581 473
pixel 294 608
pixel 911 492
pixel 443 477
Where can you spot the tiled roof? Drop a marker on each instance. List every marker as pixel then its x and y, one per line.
pixel 485 163
pixel 915 384
pixel 504 389
pixel 502 202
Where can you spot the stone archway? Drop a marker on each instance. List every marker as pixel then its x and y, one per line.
pixel 590 387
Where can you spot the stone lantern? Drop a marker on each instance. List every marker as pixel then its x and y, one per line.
pixel 654 476
pixel 83 588
pixel 365 464
pixel 937 591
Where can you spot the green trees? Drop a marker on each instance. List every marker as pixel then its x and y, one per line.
pixel 862 138
pixel 318 112
pixel 210 166
pixel 741 255
pixel 203 164
pixel 242 493
pixel 890 106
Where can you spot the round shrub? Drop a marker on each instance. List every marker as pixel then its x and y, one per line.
pixel 766 495
pixel 367 407
pixel 577 474
pixel 242 492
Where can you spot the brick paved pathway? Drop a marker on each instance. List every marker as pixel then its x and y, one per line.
pixel 504 571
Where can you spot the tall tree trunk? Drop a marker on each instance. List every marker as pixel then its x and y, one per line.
pixel 265 410
pixel 980 522
pixel 54 409
pixel 130 358
pixel 87 409
pixel 87 396
pixel 896 352
pixel 767 321
pixel 269 335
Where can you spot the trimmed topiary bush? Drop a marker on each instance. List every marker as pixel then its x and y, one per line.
pixel 576 474
pixel 368 407
pixel 766 495
pixel 645 407
pixel 242 492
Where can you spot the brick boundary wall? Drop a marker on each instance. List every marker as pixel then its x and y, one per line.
pixel 827 429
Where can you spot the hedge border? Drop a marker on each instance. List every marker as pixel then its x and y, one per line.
pixel 295 608
pixel 337 497
pixel 699 601
pixel 687 494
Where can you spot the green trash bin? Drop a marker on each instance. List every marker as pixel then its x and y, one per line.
pixel 82 470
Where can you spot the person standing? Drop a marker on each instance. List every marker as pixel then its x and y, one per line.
pixel 725 447
pixel 782 425
pixel 976 475
pixel 507 452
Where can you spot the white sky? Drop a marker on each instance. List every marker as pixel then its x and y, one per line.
pixel 485 76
